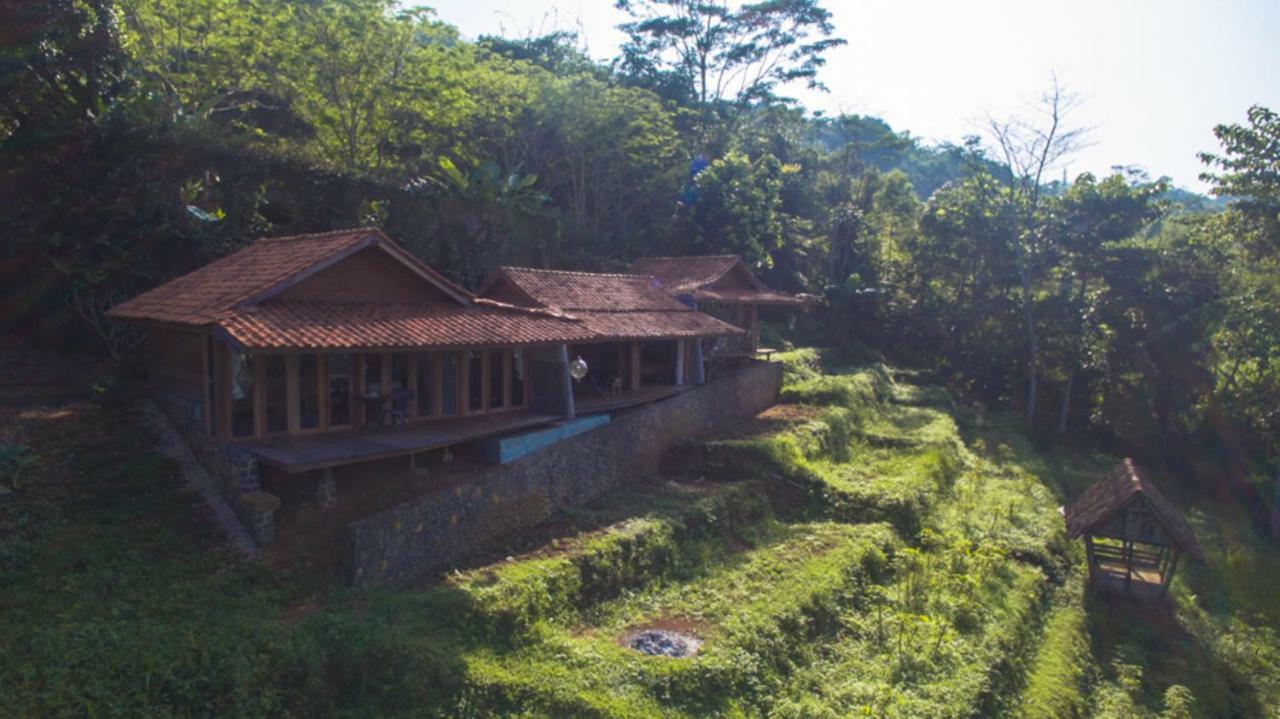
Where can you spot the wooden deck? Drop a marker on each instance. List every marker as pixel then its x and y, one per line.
pixel 318 451
pixel 644 395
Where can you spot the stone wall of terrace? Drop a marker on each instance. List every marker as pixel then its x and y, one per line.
pixel 433 531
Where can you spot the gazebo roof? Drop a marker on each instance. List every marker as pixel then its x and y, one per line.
pixel 1102 500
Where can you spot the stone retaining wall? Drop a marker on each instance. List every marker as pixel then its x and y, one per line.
pixel 436 529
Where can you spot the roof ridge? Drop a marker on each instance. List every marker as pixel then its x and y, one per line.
pixel 588 273
pixel 319 235
pixel 690 257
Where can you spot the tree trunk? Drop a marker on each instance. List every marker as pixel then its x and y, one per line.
pixel 1275 509
pixel 1032 348
pixel 1066 402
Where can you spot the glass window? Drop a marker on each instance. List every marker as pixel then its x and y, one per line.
pixel 475 380
pixel 426 384
pixel 339 390
pixel 308 391
pixel 497 398
pixel 373 374
pixel 517 377
pixel 399 371
pixel 449 384
pixel 277 394
pixel 241 394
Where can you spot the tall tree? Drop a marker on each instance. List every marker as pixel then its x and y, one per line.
pixel 725 54
pixel 1032 146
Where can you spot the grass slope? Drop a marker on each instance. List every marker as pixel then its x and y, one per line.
pixel 869 548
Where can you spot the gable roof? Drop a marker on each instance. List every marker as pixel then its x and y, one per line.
pixel 1102 500
pixel 614 306
pixel 261 270
pixel 593 291
pixel 293 324
pixel 696 277
pixel 684 275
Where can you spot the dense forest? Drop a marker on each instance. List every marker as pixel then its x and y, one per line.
pixel 141 138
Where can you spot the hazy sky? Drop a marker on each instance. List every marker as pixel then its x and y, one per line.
pixel 1154 77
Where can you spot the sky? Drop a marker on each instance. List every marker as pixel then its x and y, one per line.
pixel 1153 78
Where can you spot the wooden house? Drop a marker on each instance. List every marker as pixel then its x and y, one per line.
pixel 316 351
pixel 647 344
pixel 1133 536
pixel 723 287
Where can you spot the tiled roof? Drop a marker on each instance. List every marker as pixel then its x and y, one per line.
pixel 683 275
pixel 597 291
pixel 281 324
pixel 693 277
pixel 655 325
pixel 1105 498
pixel 754 297
pixel 215 290
pixel 614 305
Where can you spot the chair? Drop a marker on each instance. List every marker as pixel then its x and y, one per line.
pixel 398 413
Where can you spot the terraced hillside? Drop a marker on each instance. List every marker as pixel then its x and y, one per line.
pixel 869 547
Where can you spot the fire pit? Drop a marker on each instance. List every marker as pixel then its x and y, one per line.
pixel 663 643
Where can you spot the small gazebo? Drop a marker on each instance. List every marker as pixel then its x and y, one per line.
pixel 1133 536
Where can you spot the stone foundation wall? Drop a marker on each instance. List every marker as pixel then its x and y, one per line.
pixel 234 469
pixel 436 529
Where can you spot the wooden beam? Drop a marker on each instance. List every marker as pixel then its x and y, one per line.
pixel 292 395
pixel 384 374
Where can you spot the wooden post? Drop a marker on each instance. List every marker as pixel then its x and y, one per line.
pixel 1168 579
pixel 635 366
pixel 292 395
pixel 437 384
pixel 222 366
pixel 1093 562
pixel 486 389
pixel 699 370
pixel 566 381
pixel 208 388
pixel 357 383
pixel 753 319
pixel 464 384
pixel 259 396
pixel 322 375
pixel 507 400
pixel 679 363
pixel 624 353
pixel 411 384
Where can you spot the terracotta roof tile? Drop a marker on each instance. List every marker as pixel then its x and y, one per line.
pixel 683 275
pixel 759 298
pixel 1105 498
pixel 279 324
pixel 621 306
pixel 201 296
pixel 597 291
pixel 213 291
pixel 655 325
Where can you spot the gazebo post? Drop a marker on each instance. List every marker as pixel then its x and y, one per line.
pixel 1167 579
pixel 1093 562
